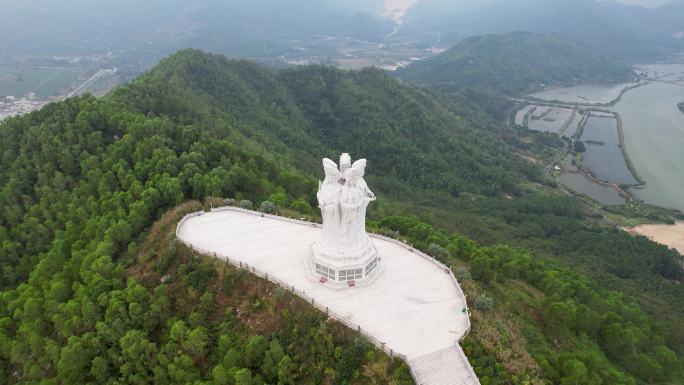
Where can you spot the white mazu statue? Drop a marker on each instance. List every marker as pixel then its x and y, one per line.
pixel 344 252
pixel 343 198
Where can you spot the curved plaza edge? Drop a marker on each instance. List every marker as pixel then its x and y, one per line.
pixel 434 368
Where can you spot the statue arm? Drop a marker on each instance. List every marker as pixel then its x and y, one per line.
pixel 358 170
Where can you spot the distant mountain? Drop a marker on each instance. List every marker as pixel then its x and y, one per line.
pixel 515 62
pixel 233 27
pixel 618 30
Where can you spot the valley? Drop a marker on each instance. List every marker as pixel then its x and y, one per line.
pixel 29 83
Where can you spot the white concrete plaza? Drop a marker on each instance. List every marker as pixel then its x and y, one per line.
pixel 413 306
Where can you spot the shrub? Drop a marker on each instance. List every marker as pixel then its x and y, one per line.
pixel 482 302
pixel 229 202
pixel 246 204
pixel 279 198
pixel 302 206
pixel 462 274
pixel 438 251
pixel 267 207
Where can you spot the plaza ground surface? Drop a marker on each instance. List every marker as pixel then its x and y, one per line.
pixel 413 306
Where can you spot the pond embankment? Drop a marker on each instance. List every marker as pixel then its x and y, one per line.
pixel 597 95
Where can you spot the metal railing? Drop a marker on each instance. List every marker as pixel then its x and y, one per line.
pixel 379 344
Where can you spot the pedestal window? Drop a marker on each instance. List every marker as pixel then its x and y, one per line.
pixel 325 271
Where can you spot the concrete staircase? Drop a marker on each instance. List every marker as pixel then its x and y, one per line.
pixel 444 367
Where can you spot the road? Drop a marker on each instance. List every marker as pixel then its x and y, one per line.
pixel 90 81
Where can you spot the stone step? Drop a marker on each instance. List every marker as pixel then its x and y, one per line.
pixel 444 367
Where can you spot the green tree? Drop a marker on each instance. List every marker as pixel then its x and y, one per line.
pixel 287 371
pixel 243 377
pixel 138 358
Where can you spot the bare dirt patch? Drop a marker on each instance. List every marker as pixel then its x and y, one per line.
pixel 669 235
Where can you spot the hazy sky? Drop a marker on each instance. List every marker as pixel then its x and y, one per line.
pixel 396 9
pixel 646 3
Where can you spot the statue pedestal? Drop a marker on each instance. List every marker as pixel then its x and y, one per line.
pixel 355 267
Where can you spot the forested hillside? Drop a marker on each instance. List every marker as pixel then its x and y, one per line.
pixel 92 293
pixel 305 113
pixel 515 62
pixel 85 180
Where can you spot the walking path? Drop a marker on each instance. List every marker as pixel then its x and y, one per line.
pixel 414 308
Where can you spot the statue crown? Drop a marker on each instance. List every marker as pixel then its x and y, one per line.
pixel 345 160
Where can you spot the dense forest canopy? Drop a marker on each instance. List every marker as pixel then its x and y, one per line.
pixel 93 294
pixel 515 62
pixel 308 112
pixel 87 179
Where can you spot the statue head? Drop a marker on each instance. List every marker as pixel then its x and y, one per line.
pixel 345 162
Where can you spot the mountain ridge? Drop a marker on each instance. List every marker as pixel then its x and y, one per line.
pixel 515 62
pixel 313 111
pixel 620 31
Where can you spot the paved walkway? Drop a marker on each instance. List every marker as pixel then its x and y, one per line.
pixel 413 308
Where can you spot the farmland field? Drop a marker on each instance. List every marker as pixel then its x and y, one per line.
pixel 43 81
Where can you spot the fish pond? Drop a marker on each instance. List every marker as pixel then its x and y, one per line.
pixel 603 156
pixel 579 183
pixel 520 115
pixel 550 119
